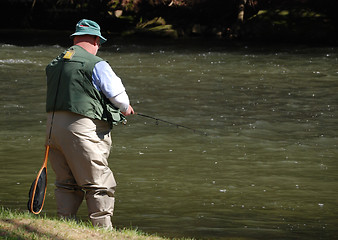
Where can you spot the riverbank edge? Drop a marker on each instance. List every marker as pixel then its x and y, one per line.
pixel 16 224
pixel 36 37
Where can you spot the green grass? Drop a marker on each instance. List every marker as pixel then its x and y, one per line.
pixel 23 225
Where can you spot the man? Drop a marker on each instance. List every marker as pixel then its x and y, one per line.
pixel 84 99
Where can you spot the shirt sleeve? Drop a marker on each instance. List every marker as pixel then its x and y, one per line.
pixel 105 80
pixel 121 101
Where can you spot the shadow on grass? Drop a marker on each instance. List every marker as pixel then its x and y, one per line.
pixel 24 230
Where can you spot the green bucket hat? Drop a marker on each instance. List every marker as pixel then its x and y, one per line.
pixel 88 27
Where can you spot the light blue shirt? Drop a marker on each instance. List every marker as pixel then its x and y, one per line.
pixel 105 80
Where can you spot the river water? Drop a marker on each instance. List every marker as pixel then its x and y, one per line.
pixel 267 168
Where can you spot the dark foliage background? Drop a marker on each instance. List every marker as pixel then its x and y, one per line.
pixel 264 20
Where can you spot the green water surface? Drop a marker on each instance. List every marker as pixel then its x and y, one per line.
pixel 267 169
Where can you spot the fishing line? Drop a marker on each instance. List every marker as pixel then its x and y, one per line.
pixel 171 123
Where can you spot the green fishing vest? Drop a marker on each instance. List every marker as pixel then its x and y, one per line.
pixel 70 87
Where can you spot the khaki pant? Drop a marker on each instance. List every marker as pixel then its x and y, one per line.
pixel 79 149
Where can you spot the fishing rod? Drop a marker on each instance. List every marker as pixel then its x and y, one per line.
pixel 171 123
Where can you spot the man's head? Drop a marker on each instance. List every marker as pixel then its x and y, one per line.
pixel 88 27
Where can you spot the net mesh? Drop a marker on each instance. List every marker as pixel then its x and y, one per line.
pixel 39 194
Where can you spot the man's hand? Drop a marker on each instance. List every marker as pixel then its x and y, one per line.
pixel 129 111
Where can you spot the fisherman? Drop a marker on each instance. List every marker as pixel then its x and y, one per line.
pixel 84 99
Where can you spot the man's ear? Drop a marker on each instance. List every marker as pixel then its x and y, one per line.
pixel 97 40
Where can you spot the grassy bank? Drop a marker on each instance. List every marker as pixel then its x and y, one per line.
pixel 23 225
